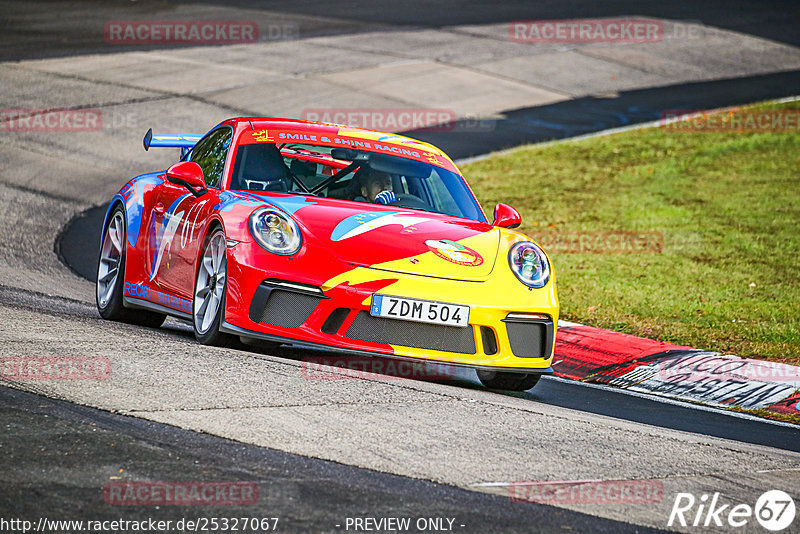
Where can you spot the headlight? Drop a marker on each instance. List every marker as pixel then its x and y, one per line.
pixel 275 231
pixel 530 264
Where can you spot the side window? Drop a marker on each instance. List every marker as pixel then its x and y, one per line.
pixel 210 154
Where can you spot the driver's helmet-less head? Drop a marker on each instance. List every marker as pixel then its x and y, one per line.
pixel 376 186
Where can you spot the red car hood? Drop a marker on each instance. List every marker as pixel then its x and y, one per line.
pixel 395 239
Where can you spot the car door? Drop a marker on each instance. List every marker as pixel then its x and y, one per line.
pixel 179 222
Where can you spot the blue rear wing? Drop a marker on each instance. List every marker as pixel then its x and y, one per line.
pixel 184 141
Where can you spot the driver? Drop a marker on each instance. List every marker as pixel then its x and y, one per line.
pixel 375 186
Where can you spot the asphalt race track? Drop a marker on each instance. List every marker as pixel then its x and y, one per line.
pixel 322 451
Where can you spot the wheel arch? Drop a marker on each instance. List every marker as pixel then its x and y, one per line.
pixel 117 201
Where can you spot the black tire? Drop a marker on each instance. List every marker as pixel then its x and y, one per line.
pixel 210 334
pixel 109 297
pixel 508 381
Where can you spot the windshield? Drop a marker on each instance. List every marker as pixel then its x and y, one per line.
pixel 354 175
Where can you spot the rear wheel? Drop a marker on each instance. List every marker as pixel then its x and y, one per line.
pixel 208 304
pixel 508 381
pixel 111 277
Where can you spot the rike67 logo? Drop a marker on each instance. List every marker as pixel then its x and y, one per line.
pixel 774 510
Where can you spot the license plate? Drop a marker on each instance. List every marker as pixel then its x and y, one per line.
pixel 421 311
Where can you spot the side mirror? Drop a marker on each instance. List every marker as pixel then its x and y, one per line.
pixel 506 216
pixel 189 175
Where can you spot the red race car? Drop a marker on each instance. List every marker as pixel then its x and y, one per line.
pixel 300 232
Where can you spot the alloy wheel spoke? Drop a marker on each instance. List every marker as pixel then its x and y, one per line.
pixel 113 234
pixel 203 307
pixel 210 312
pixel 214 259
pixel 219 253
pixel 112 273
pixel 107 293
pixel 208 266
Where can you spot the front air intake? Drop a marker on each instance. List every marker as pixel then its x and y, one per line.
pixel 284 304
pixel 412 334
pixel 531 336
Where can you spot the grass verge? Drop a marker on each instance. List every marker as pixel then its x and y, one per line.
pixel 686 237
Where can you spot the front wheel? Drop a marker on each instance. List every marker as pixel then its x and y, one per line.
pixel 208 304
pixel 508 381
pixel 111 277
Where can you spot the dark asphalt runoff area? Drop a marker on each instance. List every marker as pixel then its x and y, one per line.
pixel 53 28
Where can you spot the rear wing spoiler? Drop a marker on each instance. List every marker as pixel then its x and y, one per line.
pixel 184 141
